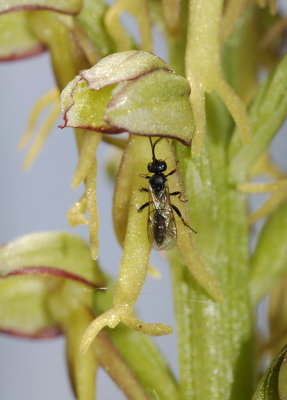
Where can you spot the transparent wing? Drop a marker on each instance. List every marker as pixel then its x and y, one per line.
pixel 161 226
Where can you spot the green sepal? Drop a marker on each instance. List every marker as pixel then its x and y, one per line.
pixel 91 19
pixel 84 108
pixel 17 41
pixel 82 367
pixel 143 106
pixel 62 6
pixel 241 57
pixel 140 352
pixel 147 363
pixel 121 67
pixel 67 308
pixel 176 43
pixel 267 388
pixel 23 306
pixel 266 114
pixel 269 261
pixel 56 32
pixel 234 48
pixel 65 252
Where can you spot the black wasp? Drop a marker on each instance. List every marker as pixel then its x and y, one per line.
pixel 161 227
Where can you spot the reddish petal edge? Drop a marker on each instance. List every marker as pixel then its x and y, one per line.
pixel 184 142
pixel 52 271
pixel 113 130
pixel 35 51
pixel 101 129
pixel 38 7
pixel 117 81
pixel 47 333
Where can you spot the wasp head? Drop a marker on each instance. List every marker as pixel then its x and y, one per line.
pixel 157 166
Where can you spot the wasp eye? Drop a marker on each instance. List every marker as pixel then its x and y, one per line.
pixel 150 167
pixel 161 166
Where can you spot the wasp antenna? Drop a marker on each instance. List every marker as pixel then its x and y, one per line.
pixel 153 147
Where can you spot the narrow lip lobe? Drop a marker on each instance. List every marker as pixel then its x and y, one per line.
pixel 41 270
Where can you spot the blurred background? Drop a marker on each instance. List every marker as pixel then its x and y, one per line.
pixel 38 200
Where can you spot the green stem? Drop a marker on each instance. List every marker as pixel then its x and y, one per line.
pixel 214 339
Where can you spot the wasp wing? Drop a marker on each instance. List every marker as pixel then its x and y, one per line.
pixel 161 227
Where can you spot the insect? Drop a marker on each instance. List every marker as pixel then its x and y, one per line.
pixel 161 226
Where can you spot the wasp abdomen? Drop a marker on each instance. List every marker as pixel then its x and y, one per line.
pixel 159 228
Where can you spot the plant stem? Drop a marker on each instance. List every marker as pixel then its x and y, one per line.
pixel 214 339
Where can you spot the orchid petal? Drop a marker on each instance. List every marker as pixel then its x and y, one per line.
pixel 17 41
pixel 131 91
pixel 23 310
pixel 62 6
pixel 55 253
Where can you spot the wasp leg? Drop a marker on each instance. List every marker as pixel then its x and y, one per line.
pixel 145 205
pixel 179 194
pixel 181 217
pixel 144 176
pixel 170 173
pixel 141 189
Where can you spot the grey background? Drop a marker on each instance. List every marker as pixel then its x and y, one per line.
pixel 37 201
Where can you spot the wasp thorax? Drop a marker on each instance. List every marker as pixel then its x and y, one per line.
pixel 157 166
pixel 157 182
